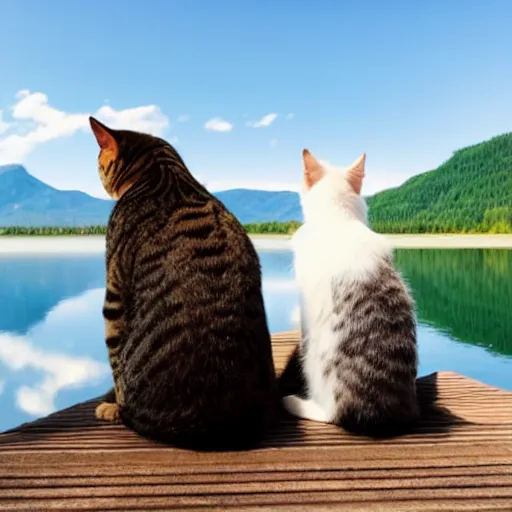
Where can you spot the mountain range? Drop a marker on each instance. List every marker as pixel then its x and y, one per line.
pixel 470 192
pixel 27 201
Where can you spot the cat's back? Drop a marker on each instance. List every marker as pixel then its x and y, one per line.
pixel 196 234
pixel 192 253
pixel 207 263
pixel 198 358
pixel 374 366
pixel 368 291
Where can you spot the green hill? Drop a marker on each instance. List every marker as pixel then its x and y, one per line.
pixel 470 192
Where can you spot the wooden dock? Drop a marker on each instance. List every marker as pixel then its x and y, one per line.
pixel 459 459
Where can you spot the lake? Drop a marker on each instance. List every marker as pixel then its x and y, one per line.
pixel 52 353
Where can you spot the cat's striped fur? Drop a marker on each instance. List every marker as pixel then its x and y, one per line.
pixel 358 356
pixel 185 323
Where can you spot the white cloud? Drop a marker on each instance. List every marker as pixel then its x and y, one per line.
pixel 148 119
pixel 273 143
pixel 183 118
pixel 217 124
pixel 289 116
pixel 36 122
pixel 266 120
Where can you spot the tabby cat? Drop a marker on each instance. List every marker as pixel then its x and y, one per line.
pixel 358 356
pixel 185 324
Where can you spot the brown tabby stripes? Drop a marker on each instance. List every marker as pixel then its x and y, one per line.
pixel 185 323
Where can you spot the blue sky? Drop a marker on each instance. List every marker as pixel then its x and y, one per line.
pixel 406 82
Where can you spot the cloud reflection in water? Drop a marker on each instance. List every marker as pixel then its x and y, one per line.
pixel 48 351
pixel 65 352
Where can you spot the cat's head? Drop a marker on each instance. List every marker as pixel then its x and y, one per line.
pixel 123 156
pixel 329 190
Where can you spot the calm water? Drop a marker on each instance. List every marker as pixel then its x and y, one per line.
pixel 52 352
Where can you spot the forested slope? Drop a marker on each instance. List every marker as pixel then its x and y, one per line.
pixel 470 192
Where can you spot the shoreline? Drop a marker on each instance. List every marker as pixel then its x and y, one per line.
pixel 451 241
pixel 95 244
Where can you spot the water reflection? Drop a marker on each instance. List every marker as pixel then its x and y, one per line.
pixel 52 352
pixel 465 294
pixel 438 352
pixel 49 373
pixel 59 357
pixel 31 286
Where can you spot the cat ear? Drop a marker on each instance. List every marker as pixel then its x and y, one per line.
pixel 355 174
pixel 104 135
pixel 313 171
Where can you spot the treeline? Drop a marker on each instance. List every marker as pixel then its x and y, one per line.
pixel 469 193
pixel 274 228
pixel 52 231
pixel 495 221
pixel 493 224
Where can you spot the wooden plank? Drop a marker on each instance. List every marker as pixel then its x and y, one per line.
pixel 459 458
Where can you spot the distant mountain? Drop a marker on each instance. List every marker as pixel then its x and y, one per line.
pixel 262 205
pixel 27 201
pixel 472 191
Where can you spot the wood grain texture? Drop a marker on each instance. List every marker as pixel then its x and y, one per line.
pixel 458 459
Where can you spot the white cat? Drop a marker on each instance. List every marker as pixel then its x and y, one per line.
pixel 358 350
